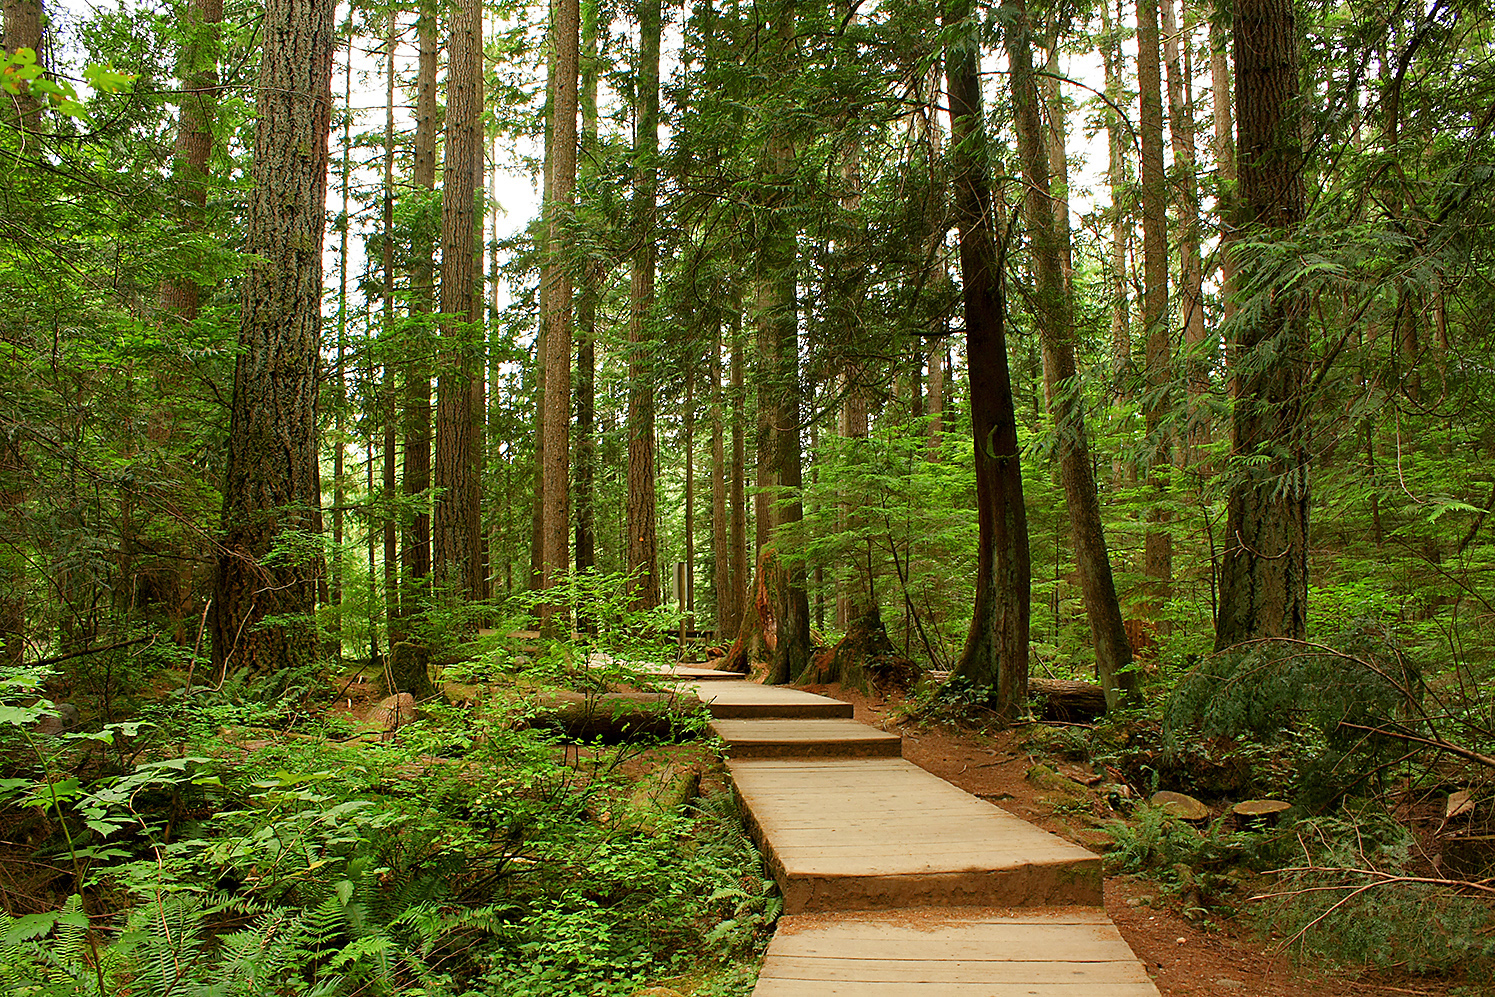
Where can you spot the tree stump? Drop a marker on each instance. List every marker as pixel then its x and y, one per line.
pixel 1252 814
pixel 1182 806
pixel 864 660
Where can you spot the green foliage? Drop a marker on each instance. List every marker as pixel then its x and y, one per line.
pixel 1298 698
pixel 479 854
pixel 1348 903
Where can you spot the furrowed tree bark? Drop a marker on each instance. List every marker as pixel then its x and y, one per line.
pixel 996 649
pixel 1158 543
pixel 456 534
pixel 1264 569
pixel 557 315
pixel 263 589
pixel 778 374
pixel 643 546
pixel 1062 388
pixel 410 655
pixel 586 314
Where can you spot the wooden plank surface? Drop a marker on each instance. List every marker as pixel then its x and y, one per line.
pixel 951 952
pixel 877 833
pixel 806 738
pixel 743 699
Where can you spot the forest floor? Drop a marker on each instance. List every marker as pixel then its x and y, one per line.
pixel 1215 954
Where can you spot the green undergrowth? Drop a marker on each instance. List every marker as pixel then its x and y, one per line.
pixel 201 850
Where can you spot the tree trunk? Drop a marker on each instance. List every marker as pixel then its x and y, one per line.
pixel 643 547
pixel 996 649
pixel 456 559
pixel 1062 388
pixel 864 660
pixel 1157 544
pixel 1118 180
pixel 270 495
pixel 409 657
pixel 778 336
pixel 1224 145
pixel 1179 56
pixel 1264 569
pixel 721 545
pixel 390 483
pixel 557 315
pixel 22 21
pixel 586 316
pixel 737 484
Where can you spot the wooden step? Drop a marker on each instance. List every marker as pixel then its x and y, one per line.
pixel 860 834
pixel 743 700
pixel 813 738
pixel 952 952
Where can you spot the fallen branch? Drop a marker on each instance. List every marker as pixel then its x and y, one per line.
pixel 1432 742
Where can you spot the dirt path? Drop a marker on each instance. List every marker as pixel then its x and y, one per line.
pixel 1213 957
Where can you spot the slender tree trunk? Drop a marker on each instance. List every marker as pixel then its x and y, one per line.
pixel 688 597
pixel 737 479
pixel 1179 55
pixel 643 548
pixel 557 316
pixel 1158 543
pixel 270 494
pixel 1118 180
pixel 586 314
pixel 1224 145
pixel 389 523
pixel 1065 395
pixel 996 649
pixel 721 557
pixel 1264 570
pixel 339 375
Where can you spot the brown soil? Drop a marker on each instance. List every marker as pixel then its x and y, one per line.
pixel 1216 956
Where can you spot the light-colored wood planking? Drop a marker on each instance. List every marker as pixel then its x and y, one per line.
pixel 884 833
pixel 812 737
pixel 959 952
pixel 742 699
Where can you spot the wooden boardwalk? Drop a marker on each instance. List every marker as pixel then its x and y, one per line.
pixel 896 883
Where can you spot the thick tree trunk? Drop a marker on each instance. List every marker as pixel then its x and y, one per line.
pixel 270 494
pixel 996 649
pixel 778 374
pixel 1264 570
pixel 1158 543
pixel 1062 388
pixel 557 316
pixel 643 546
pixel 22 21
pixel 409 655
pixel 456 557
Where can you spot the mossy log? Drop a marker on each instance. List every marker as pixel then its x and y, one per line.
pixel 616 717
pixel 1068 702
